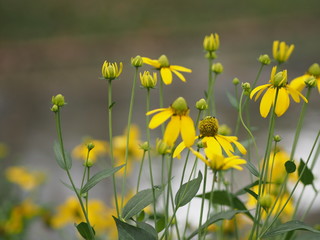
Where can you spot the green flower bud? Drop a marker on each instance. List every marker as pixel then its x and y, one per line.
pixel 161 147
pixel 277 138
pixel 280 79
pixel 111 71
pixel 55 108
pixel 264 59
pixel 246 88
pixel 147 80
pixel 208 127
pixel 311 82
pixel 266 201
pixel 88 163
pixel 145 146
pixel 163 60
pixel 137 61
pixel 224 130
pixel 201 144
pixel 314 70
pixel 217 68
pixel 202 104
pixel 235 81
pixel 58 100
pixel 211 43
pixel 90 146
pixel 180 106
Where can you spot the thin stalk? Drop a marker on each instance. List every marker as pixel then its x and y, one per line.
pixel 203 198
pixel 110 103
pixel 128 136
pixel 168 198
pixel 140 170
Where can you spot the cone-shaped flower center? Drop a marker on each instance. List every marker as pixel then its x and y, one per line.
pixel 208 127
pixel 163 60
pixel 279 79
pixel 314 70
pixel 179 106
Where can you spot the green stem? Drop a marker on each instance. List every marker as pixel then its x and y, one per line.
pixel 167 206
pixel 203 197
pixel 140 170
pixel 128 136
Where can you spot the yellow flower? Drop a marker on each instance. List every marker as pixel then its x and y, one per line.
pixel 278 84
pixel 281 51
pixel 299 83
pixel 3 150
pixel 25 179
pixel 147 80
pixel 111 71
pixel 211 43
pixel 218 162
pixel 70 212
pixel 134 150
pixel 213 142
pixel 100 149
pixel 180 123
pixel 166 69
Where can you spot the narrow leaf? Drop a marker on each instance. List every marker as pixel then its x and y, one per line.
pixel 306 176
pixel 188 191
pixel 252 168
pixel 139 201
pixel 233 101
pixel 69 186
pixel 215 218
pixel 289 226
pixel 84 230
pixel 129 232
pixel 98 177
pixel 147 227
pixel 67 164
pixel 112 104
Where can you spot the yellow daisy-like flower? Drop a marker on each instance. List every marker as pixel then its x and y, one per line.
pixel 100 149
pixel 111 71
pixel 166 69
pixel 281 51
pixel 278 85
pixel 299 83
pixel 180 123
pixel 213 142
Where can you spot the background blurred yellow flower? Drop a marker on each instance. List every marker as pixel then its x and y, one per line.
pixel 100 149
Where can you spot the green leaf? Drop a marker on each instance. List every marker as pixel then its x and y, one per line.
pixel 129 232
pixel 69 186
pixel 225 198
pixel 234 102
pixel 148 228
pixel 215 218
pixel 306 176
pixel 187 191
pixel 160 224
pixel 65 165
pixel 244 191
pixel 290 166
pixel 289 226
pixel 84 230
pixel 112 104
pixel 98 177
pixel 139 201
pixel 252 168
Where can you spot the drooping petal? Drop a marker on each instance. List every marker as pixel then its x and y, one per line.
pixel 212 146
pixel 282 103
pixel 318 84
pixel 179 75
pixel 166 75
pixel 266 102
pixel 257 89
pixel 298 83
pixel 225 144
pixel 181 146
pixel 294 92
pixel 156 110
pixel 160 118
pixel 180 68
pixel 188 132
pixel 233 162
pixel 149 61
pixel 172 131
pixel 200 156
pixel 234 140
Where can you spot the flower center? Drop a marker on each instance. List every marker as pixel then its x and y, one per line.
pixel 179 106
pixel 208 127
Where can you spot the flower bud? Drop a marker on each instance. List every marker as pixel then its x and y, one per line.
pixel 211 43
pixel 179 105
pixel 55 108
pixel 201 144
pixel 111 71
pixel 163 60
pixel 208 127
pixel 264 59
pixel 266 201
pixel 58 100
pixel 90 146
pixel 235 81
pixel 224 130
pixel 137 61
pixel 145 146
pixel 281 51
pixel 161 147
pixel 280 79
pixel 314 70
pixel 311 82
pixel 246 88
pixel 89 163
pixel 277 138
pixel 147 80
pixel 217 68
pixel 202 104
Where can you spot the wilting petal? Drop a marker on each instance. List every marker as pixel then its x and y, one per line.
pixel 257 89
pixel 266 102
pixel 179 75
pixel 180 68
pixel 282 103
pixel 160 118
pixel 296 94
pixel 156 110
pixel 153 63
pixel 225 144
pixel 188 132
pixel 166 75
pixel 234 140
pixel 172 131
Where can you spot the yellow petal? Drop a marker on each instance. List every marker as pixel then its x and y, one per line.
pixel 153 63
pixel 160 118
pixel 166 75
pixel 179 75
pixel 259 88
pixel 225 144
pixel 289 51
pixel 180 68
pixel 172 130
pixel 188 132
pixel 234 140
pixel 181 146
pixel 275 48
pixel 156 110
pixel 294 93
pixel 298 83
pixel 200 156
pixel 282 51
pixel 266 102
pixel 212 146
pixel 318 84
pixel 282 103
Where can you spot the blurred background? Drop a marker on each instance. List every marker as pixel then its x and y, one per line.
pixel 50 47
